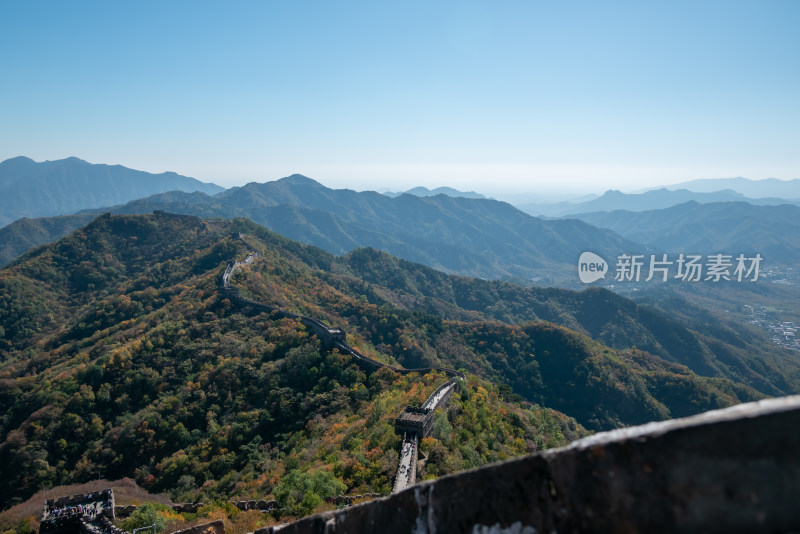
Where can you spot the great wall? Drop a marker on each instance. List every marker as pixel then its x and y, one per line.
pixel 413 423
pixel 730 470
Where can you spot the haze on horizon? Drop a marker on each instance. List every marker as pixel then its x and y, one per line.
pixel 495 98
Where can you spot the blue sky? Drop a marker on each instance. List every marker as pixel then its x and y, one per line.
pixel 490 96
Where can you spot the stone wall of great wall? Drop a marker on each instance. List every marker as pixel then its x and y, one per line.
pixel 413 423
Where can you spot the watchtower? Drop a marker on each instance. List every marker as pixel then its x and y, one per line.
pixel 414 420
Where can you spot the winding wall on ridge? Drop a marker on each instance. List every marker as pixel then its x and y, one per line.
pixel 334 337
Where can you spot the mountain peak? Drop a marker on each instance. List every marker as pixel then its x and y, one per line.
pixel 299 179
pixel 72 160
pixel 18 162
pixel 611 194
pixel 19 159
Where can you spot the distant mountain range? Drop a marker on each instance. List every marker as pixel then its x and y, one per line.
pixel 42 189
pixel 770 187
pixel 470 236
pixel 476 237
pixel 425 192
pixel 732 227
pixel 650 200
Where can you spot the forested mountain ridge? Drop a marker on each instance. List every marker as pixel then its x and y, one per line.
pixel 706 344
pixel 121 358
pixel 384 281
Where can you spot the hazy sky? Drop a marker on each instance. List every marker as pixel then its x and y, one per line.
pixel 494 96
